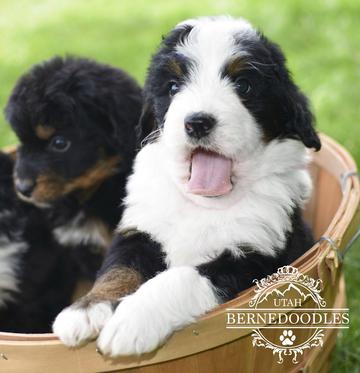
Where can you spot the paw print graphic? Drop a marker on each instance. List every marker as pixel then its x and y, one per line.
pixel 287 338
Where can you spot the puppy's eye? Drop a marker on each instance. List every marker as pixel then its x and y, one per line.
pixel 173 88
pixel 243 86
pixel 59 144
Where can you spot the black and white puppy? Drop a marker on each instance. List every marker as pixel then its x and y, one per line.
pixel 214 200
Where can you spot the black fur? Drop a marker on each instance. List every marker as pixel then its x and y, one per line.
pixel 231 275
pixel 94 106
pixel 276 102
pixel 154 110
pixel 96 109
pixel 45 272
pixel 137 251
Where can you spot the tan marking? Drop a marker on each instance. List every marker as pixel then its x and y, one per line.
pixel 101 171
pixel 111 286
pixel 50 186
pixel 82 287
pixel 176 68
pixel 44 132
pixel 235 66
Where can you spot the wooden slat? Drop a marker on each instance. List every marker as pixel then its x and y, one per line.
pixel 328 199
pixel 310 209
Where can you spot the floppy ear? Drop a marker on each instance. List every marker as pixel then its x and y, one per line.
pixel 300 122
pixel 147 122
pixel 297 120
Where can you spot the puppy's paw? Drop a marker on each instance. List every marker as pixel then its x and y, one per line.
pixel 75 325
pixel 132 330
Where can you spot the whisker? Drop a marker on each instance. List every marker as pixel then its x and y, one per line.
pixel 151 137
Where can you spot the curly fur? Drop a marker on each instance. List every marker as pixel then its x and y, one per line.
pixel 74 196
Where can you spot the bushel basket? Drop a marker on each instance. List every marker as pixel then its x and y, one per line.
pixel 207 346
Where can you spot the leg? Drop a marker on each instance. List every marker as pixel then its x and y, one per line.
pixel 176 298
pixel 132 259
pixel 168 302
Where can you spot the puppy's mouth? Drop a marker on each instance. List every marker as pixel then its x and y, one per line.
pixel 210 174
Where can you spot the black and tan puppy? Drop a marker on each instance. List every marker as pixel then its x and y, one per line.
pixel 76 121
pixel 215 200
pixel 77 125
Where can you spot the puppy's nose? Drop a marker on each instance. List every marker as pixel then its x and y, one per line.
pixel 25 186
pixel 199 125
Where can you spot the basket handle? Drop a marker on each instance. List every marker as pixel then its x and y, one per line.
pixel 343 180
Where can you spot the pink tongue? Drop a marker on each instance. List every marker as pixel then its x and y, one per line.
pixel 210 174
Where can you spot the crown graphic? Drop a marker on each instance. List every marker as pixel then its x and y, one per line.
pixel 288 274
pixel 288 270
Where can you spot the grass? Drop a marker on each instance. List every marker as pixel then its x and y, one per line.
pixel 320 38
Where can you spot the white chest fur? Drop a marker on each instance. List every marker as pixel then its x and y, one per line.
pixel 257 214
pixel 83 231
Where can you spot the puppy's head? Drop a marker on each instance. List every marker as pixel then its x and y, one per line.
pixel 218 90
pixel 75 120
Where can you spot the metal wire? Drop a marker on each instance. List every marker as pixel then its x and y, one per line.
pixel 335 247
pixel 344 178
pixel 351 242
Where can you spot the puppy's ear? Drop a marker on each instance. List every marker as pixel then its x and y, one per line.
pixel 300 122
pixel 297 118
pixel 147 123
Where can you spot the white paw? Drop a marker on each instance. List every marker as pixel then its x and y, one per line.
pixel 74 326
pixel 132 330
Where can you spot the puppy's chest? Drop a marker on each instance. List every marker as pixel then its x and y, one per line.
pixel 83 230
pixel 191 234
pixel 188 236
pixel 193 241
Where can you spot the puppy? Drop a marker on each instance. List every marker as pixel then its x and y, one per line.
pixel 37 276
pixel 214 200
pixel 76 122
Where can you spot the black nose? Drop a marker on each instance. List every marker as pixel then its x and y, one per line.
pixel 24 186
pixel 199 125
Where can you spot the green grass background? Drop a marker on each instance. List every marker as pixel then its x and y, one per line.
pixel 320 38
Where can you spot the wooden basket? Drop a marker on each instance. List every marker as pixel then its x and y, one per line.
pixel 207 346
